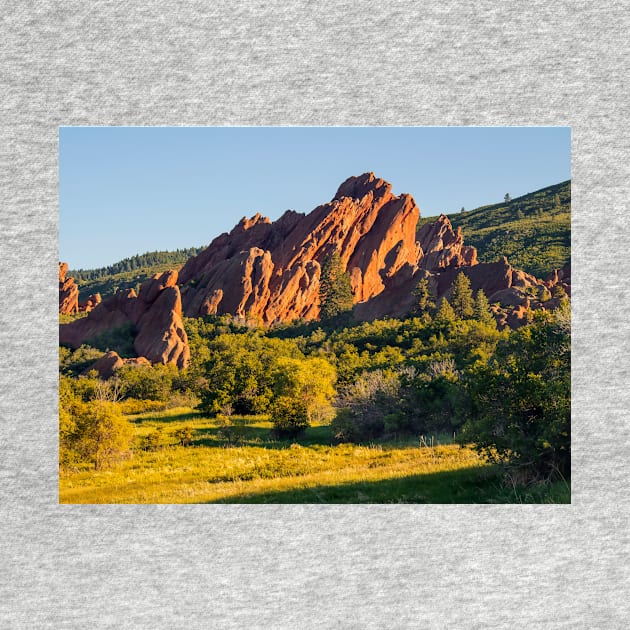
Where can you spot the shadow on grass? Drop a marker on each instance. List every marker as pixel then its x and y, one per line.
pixel 217 437
pixel 263 437
pixel 166 419
pixel 467 485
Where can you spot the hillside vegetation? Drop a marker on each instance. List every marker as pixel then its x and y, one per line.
pixel 328 411
pixel 128 273
pixel 533 231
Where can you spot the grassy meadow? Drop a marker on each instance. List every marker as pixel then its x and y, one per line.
pixel 239 461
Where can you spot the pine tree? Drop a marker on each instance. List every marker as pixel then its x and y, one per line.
pixel 445 312
pixel 335 290
pixel 462 296
pixel 481 309
pixel 424 297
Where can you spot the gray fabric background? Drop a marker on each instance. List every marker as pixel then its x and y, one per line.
pixel 253 63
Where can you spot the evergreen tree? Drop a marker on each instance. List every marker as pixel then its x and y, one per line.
pixel 462 296
pixel 481 309
pixel 424 296
pixel 335 290
pixel 445 312
pixel 507 198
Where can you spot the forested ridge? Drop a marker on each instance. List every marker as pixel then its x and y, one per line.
pixel 128 273
pixel 533 231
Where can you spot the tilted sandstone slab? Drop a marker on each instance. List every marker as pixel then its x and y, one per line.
pixel 271 270
pixel 68 292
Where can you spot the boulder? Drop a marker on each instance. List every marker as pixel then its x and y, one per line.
pixel 111 361
pixel 106 365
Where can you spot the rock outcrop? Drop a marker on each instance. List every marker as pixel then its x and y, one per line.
pixel 91 303
pixel 270 271
pixel 68 292
pixel 111 361
pixel 69 295
pixel 154 316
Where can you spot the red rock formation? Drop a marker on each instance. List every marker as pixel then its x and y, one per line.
pixel 111 361
pixel 560 277
pixel 443 248
pixel 68 292
pixel 90 304
pixel 69 295
pixel 155 315
pixel 270 270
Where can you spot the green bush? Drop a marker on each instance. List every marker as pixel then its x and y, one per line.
pixel 343 427
pixel 103 436
pixel 184 435
pixel 520 402
pixel 289 417
pixel 147 382
pixel 153 440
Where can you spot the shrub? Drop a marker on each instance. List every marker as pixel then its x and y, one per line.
pixel 311 380
pixel 147 382
pixel 366 402
pixel 184 435
pixel 103 435
pixel 343 427
pixel 74 362
pixel 289 417
pixel 152 441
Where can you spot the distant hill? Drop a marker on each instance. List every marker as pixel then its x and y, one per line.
pixel 129 273
pixel 533 231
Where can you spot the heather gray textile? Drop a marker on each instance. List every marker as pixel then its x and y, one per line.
pixel 278 63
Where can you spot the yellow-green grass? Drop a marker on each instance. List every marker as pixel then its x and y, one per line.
pixel 244 464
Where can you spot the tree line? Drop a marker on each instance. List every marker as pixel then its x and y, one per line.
pixel 139 261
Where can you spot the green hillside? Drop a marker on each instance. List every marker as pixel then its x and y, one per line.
pixel 533 231
pixel 129 273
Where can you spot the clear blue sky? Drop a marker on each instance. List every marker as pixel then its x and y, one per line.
pixel 128 190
